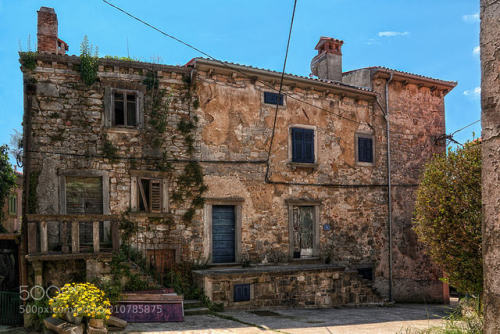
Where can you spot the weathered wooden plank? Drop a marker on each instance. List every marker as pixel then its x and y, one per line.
pixel 64 237
pixel 75 237
pixel 115 236
pixel 76 217
pixel 95 236
pixel 32 238
pixel 44 246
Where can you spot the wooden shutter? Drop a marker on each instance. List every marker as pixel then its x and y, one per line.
pixel 273 98
pixel 107 106
pixel 84 195
pixel 302 145
pixel 155 198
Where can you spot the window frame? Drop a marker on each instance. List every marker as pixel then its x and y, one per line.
pixel 124 93
pixel 109 107
pixel 290 144
pixel 13 203
pixel 357 136
pixel 135 191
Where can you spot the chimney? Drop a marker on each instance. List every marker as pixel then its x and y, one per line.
pixel 327 64
pixel 48 42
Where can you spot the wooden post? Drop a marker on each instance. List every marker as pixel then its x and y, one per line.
pixel 44 247
pixel 95 236
pixel 115 235
pixel 75 237
pixel 32 237
pixel 64 236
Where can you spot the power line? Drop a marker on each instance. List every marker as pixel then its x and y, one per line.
pixel 465 127
pixel 279 93
pixel 237 70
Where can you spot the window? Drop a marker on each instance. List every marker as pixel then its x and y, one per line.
pixel 273 98
pixel 124 108
pixel 241 293
pixel 302 145
pixel 150 195
pixel 13 205
pixel 365 149
pixel 84 195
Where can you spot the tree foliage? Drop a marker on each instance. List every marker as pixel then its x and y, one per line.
pixel 7 176
pixel 448 216
pixel 89 63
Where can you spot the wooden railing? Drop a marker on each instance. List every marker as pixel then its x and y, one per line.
pixel 68 231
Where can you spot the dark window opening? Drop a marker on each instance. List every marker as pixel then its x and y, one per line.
pixel 273 98
pixel 150 195
pixel 365 149
pixel 13 205
pixel 125 109
pixel 241 292
pixel 302 145
pixel 366 273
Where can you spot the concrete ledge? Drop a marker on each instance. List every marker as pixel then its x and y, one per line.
pixel 269 269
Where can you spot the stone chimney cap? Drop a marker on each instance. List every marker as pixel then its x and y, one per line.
pixel 330 45
pixel 47 9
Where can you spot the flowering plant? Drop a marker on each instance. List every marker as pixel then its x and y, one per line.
pixel 81 300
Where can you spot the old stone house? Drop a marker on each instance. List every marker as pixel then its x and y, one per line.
pixel 292 211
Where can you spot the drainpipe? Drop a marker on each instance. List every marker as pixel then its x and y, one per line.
pixel 389 190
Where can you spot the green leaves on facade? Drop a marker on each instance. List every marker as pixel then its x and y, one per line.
pixel 88 62
pixel 448 216
pixel 7 176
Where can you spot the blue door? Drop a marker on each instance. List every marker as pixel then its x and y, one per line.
pixel 223 236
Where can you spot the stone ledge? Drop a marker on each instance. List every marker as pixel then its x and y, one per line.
pixel 270 269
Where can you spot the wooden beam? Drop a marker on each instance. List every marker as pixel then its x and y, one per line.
pixel 32 237
pixel 143 196
pixel 44 246
pixel 80 218
pixel 115 236
pixel 95 236
pixel 75 237
pixel 64 236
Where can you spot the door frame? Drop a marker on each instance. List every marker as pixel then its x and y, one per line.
pixel 316 224
pixel 207 213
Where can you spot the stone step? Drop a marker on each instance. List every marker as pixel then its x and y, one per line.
pixel 192 303
pixel 196 311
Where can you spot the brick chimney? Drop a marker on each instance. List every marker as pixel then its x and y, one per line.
pixel 48 42
pixel 327 64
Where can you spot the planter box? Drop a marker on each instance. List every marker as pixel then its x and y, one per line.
pixel 150 306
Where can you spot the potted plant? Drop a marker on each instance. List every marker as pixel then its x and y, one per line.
pixel 78 300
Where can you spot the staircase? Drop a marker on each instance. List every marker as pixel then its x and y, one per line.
pixel 195 307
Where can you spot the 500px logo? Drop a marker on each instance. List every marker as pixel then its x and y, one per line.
pixel 37 292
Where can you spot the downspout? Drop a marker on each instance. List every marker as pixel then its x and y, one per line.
pixel 389 190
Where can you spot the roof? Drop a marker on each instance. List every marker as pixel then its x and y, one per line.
pixel 288 76
pixel 418 77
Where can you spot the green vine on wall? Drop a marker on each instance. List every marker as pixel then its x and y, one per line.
pixel 88 62
pixel 28 59
pixel 109 150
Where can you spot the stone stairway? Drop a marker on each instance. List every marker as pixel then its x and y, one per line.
pixel 194 307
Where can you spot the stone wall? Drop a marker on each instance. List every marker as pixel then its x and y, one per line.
pixel 490 103
pixel 309 286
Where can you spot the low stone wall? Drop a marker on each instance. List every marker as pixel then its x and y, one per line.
pixel 311 286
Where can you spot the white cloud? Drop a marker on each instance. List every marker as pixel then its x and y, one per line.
pixel 477 50
pixel 476 92
pixel 392 33
pixel 471 18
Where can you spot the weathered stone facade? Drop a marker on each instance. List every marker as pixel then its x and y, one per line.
pixel 490 102
pixel 217 117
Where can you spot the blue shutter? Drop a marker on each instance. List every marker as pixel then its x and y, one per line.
pixel 273 98
pixel 241 292
pixel 302 145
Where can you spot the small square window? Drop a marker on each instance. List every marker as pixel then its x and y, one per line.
pixel 365 149
pixel 302 145
pixel 124 108
pixel 241 293
pixel 273 98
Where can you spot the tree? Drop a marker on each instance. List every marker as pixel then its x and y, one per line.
pixel 448 216
pixel 7 177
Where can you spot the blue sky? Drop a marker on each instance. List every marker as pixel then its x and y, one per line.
pixel 437 38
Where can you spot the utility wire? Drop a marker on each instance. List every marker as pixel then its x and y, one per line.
pixel 465 127
pixel 233 68
pixel 279 93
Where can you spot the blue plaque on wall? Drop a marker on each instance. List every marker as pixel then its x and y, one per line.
pixel 327 227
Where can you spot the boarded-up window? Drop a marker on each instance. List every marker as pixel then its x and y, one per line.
pixel 150 195
pixel 303 230
pixel 365 149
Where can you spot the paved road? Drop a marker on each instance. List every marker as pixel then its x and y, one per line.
pixel 370 320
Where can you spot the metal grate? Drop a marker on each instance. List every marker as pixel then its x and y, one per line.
pixel 9 308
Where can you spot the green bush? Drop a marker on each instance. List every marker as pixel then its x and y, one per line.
pixel 88 62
